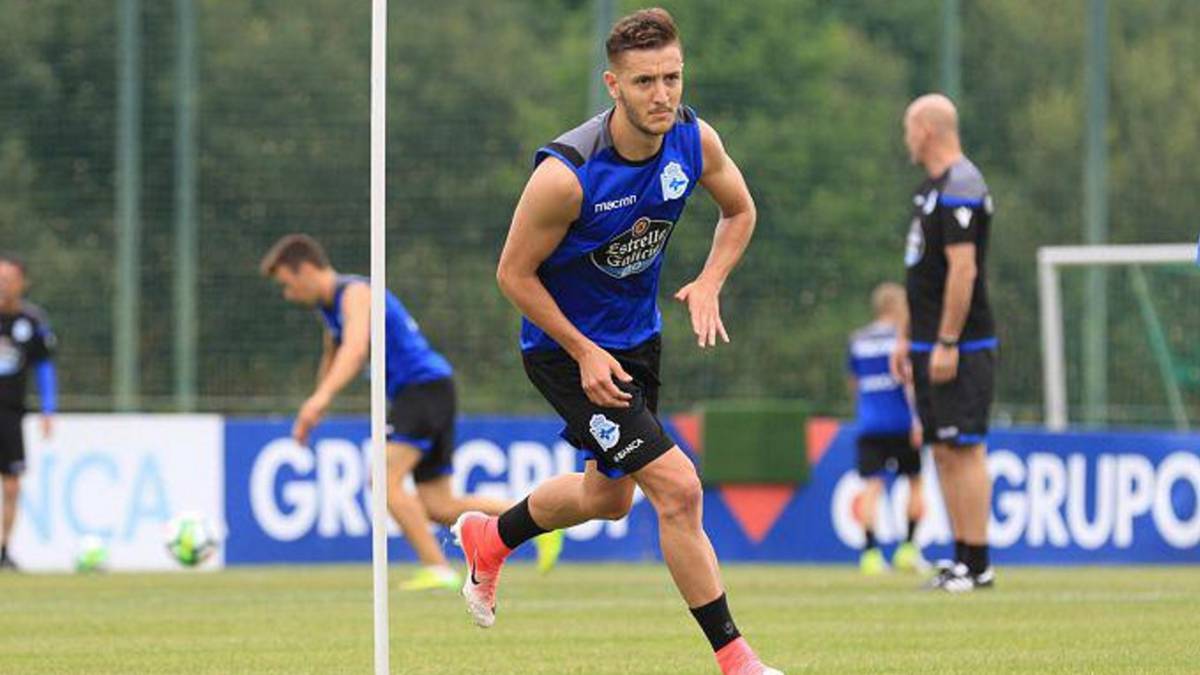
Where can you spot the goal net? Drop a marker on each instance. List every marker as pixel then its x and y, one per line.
pixel 1120 327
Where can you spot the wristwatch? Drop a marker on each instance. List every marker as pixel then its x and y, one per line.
pixel 947 342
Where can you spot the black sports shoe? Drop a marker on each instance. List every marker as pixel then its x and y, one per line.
pixel 962 581
pixel 7 563
pixel 986 578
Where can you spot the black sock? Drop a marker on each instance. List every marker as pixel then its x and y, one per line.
pixel 871 543
pixel 716 623
pixel 3 551
pixel 516 525
pixel 912 530
pixel 960 551
pixel 977 558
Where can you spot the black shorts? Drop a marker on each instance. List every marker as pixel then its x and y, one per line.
pixel 877 454
pixel 621 440
pixel 423 415
pixel 956 412
pixel 12 443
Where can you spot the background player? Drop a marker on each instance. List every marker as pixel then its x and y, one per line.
pixel 888 436
pixel 953 336
pixel 26 343
pixel 420 388
pixel 582 262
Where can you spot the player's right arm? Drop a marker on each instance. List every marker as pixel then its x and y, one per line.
pixel 550 203
pixel 347 362
pixel 851 379
pixel 327 350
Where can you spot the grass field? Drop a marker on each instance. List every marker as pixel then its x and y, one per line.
pixel 600 619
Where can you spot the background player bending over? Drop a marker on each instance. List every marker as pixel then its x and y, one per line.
pixel 26 343
pixel 582 263
pixel 888 436
pixel 420 388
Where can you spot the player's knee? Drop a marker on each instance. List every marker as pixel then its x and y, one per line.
pixel 440 511
pixel 400 497
pixel 683 500
pixel 611 507
pixel 12 487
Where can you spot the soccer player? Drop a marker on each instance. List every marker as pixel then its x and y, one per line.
pixel 888 436
pixel 26 343
pixel 582 263
pixel 420 388
pixel 952 351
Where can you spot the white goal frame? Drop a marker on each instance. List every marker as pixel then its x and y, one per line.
pixel 1049 260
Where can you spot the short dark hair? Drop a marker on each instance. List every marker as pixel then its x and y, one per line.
pixel 644 29
pixel 14 260
pixel 292 250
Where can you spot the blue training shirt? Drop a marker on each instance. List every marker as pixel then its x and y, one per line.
pixel 882 407
pixel 604 273
pixel 410 359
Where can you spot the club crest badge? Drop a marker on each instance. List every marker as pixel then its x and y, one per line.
pixel 674 181
pixel 605 431
pixel 22 330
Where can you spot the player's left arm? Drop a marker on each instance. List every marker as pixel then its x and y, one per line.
pixel 47 382
pixel 956 303
pixel 347 363
pixel 723 180
pixel 45 373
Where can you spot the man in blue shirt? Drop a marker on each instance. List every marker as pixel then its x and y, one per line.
pixel 26 343
pixel 582 263
pixel 420 388
pixel 889 439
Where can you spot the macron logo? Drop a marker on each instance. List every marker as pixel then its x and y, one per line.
pixel 615 204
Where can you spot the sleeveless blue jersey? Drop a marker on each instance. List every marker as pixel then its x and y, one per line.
pixel 604 273
pixel 410 359
pixel 881 404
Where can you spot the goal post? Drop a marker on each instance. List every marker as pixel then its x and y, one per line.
pixel 1050 260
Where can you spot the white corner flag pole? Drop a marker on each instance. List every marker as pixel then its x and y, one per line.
pixel 379 554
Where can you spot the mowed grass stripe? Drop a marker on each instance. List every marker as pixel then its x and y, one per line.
pixel 600 619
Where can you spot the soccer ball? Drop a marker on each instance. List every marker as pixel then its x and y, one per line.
pixel 91 555
pixel 190 540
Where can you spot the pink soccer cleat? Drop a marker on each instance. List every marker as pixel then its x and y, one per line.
pixel 484 552
pixel 737 658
